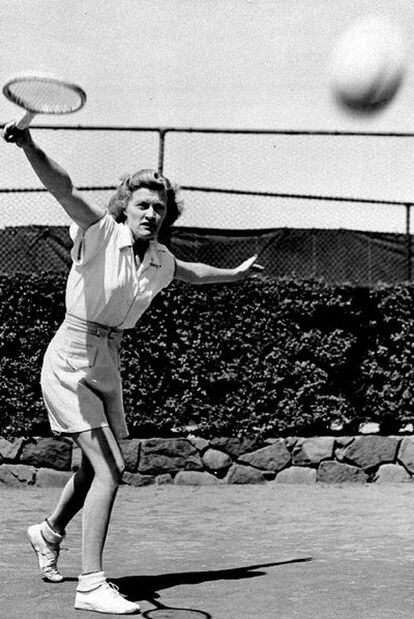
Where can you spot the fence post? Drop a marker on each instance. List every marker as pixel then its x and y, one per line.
pixel 161 150
pixel 408 240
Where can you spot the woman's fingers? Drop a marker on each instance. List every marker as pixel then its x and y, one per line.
pixel 257 267
pixel 13 135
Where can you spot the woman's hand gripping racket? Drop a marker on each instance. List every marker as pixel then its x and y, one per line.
pixel 39 94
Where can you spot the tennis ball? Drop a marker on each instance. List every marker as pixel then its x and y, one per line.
pixel 368 65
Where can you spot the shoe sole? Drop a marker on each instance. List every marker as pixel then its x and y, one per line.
pixel 92 608
pixel 37 552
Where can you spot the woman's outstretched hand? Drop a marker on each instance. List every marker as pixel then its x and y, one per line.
pixel 13 135
pixel 249 265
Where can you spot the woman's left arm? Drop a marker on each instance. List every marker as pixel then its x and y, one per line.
pixel 200 273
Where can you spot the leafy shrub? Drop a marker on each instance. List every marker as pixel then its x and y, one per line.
pixel 265 357
pixel 387 372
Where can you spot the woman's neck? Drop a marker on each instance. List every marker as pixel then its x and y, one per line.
pixel 140 247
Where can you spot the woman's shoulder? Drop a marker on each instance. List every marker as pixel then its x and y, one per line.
pixel 161 254
pixel 105 221
pixel 159 247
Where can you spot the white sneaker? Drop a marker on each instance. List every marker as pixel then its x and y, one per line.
pixel 105 599
pixel 47 552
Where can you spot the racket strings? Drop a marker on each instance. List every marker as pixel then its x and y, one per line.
pixel 47 97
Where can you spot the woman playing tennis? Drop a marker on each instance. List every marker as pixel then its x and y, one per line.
pixel 118 267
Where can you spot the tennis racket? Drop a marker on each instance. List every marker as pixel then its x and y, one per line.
pixel 39 94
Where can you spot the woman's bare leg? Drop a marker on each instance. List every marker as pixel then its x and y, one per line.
pixel 72 497
pixel 46 537
pixel 101 449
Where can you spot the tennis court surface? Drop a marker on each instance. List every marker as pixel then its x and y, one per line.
pixel 231 552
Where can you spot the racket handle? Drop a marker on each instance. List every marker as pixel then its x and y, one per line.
pixel 25 120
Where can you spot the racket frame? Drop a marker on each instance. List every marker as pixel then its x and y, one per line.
pixel 32 111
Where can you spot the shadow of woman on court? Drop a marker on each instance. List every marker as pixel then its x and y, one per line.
pixel 147 587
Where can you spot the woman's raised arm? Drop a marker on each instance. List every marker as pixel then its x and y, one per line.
pixel 54 178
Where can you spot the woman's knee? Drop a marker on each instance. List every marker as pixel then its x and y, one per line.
pixel 110 473
pixel 101 450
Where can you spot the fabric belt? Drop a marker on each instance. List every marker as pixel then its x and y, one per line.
pixel 92 327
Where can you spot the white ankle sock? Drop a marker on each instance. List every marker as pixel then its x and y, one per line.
pixel 49 534
pixel 87 582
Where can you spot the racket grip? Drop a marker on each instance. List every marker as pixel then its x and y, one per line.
pixel 25 120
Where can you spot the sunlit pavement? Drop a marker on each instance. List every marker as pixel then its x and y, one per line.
pixel 231 552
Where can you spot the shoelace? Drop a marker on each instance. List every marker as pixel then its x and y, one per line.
pixel 114 590
pixel 52 556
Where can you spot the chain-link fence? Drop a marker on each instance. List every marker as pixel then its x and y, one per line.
pixel 281 193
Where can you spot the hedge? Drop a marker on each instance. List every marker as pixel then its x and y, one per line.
pixel 265 357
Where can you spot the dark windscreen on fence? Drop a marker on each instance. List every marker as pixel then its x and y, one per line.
pixel 333 255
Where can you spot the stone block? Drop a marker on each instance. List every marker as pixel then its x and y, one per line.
pixel 164 479
pixel 240 474
pixel 290 441
pixel 17 474
pixel 52 478
pixel 201 444
pixel 371 451
pixel 338 473
pixel 137 480
pixel 391 474
pixel 296 475
pixel 215 460
pixel 130 450
pixel 274 457
pixel 9 449
pixel 406 453
pixel 234 446
pixel 194 463
pixel 313 450
pixel 343 441
pixel 195 478
pixel 164 455
pixel 48 452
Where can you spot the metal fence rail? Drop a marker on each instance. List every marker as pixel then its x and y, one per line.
pixel 235 182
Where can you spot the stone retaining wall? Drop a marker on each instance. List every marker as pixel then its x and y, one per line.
pixel 196 461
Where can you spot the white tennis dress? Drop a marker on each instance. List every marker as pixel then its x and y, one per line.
pixel 105 294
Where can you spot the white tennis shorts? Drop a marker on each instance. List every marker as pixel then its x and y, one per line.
pixel 80 379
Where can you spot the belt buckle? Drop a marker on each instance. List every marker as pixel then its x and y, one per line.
pixel 113 331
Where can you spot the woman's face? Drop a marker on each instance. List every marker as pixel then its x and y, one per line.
pixel 145 212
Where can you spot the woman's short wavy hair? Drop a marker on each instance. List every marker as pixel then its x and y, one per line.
pixel 151 179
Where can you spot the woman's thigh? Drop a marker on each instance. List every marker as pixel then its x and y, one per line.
pixel 101 448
